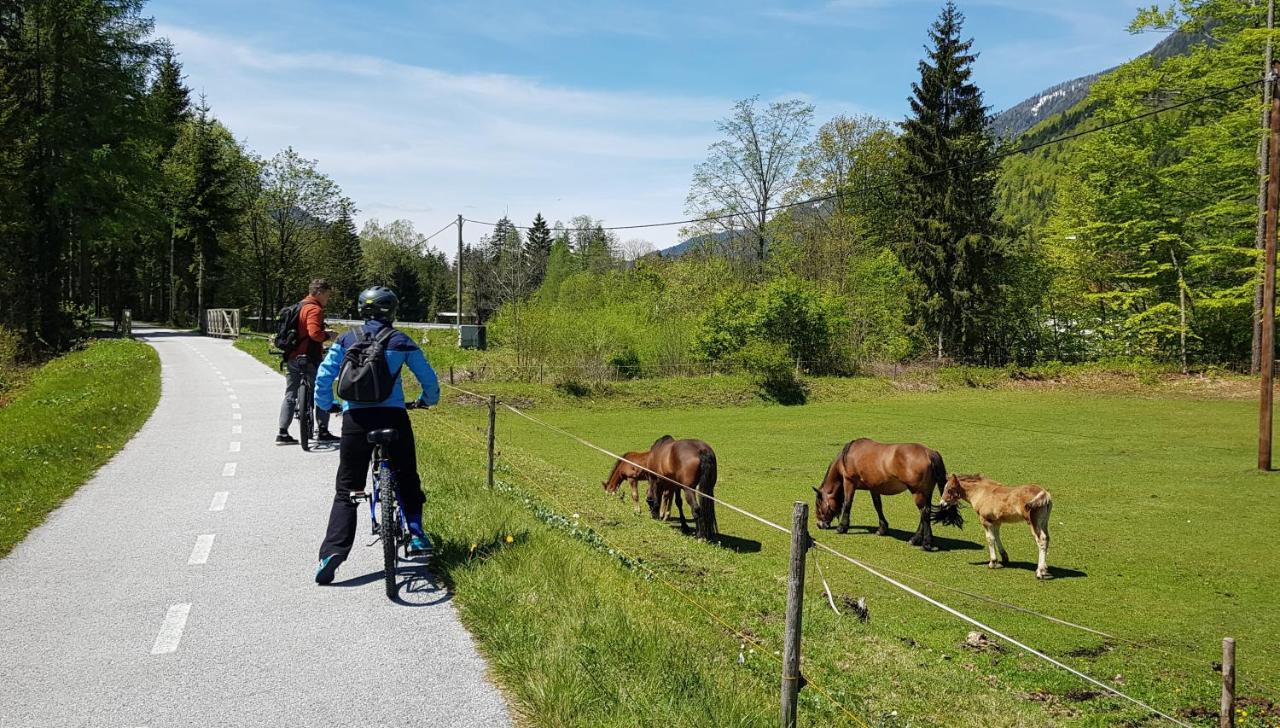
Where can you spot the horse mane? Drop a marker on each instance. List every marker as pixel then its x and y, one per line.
pixel 660 440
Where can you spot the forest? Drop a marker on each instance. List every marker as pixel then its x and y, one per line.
pixel 1125 227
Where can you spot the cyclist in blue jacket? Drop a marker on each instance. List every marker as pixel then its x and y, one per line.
pixel 377 306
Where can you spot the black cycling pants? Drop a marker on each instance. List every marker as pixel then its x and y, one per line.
pixel 355 454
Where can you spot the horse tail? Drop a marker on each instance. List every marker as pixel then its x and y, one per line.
pixel 937 469
pixel 706 486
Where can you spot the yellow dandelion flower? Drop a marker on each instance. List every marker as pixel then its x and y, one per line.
pixel 509 539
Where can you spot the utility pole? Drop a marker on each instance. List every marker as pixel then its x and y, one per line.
pixel 1263 153
pixel 459 281
pixel 173 281
pixel 1269 280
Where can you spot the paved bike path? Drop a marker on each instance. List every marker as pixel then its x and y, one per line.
pixel 175 588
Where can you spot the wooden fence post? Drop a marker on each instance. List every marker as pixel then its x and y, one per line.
pixel 1227 713
pixel 493 418
pixel 792 680
pixel 450 374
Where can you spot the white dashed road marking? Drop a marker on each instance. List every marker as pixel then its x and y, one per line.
pixel 237 429
pixel 229 470
pixel 200 552
pixel 235 447
pixel 236 416
pixel 171 631
pixel 219 501
pixel 235 405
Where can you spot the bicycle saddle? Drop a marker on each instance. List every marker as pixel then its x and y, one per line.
pixel 383 437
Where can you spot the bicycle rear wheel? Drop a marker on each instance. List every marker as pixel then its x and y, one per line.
pixel 306 412
pixel 390 527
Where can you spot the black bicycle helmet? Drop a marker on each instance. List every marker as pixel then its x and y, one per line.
pixel 378 302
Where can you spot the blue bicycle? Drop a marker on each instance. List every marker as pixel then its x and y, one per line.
pixel 389 524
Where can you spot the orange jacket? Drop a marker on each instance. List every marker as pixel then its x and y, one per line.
pixel 311 333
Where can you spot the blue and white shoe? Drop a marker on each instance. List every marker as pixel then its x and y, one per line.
pixel 419 546
pixel 328 568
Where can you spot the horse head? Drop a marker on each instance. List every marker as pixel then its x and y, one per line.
pixel 826 505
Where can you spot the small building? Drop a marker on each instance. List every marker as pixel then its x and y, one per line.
pixel 451 318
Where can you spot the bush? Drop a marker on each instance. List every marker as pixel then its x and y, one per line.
pixel 626 364
pixel 774 371
pixel 972 377
pixel 789 312
pixel 1041 372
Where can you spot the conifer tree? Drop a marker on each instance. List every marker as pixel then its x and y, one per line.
pixel 951 244
pixel 537 246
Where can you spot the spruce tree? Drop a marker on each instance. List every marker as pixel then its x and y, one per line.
pixel 344 251
pixel 537 246
pixel 949 193
pixel 169 99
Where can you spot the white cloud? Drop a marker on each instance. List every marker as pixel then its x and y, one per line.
pixel 419 143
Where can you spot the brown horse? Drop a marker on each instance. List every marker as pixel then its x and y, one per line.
pixel 882 469
pixel 688 466
pixel 630 468
pixel 995 504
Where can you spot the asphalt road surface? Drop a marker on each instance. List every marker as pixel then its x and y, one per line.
pixel 175 588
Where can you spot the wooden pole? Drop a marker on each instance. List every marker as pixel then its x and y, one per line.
pixel 1227 714
pixel 1269 283
pixel 791 678
pixel 450 374
pixel 493 418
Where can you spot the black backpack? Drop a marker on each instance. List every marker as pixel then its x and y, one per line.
pixel 286 338
pixel 364 376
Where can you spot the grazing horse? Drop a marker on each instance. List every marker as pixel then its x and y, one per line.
pixel 882 469
pixel 689 466
pixel 996 504
pixel 630 467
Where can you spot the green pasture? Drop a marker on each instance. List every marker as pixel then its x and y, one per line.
pixel 1160 535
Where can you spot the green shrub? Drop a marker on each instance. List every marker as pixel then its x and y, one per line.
pixel 973 377
pixel 626 364
pixel 1041 372
pixel 773 371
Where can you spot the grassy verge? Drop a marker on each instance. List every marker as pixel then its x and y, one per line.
pixel 71 416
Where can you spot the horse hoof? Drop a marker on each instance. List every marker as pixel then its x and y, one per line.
pixel 929 547
pixel 994 565
pixel 882 531
pixel 1044 576
pixel 842 529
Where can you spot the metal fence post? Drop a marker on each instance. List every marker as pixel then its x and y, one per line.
pixel 493 418
pixel 792 680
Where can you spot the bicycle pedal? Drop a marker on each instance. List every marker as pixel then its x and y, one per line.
pixel 358 497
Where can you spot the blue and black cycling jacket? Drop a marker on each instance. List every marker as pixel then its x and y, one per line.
pixel 400 351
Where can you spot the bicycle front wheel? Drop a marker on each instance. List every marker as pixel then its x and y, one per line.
pixel 390 527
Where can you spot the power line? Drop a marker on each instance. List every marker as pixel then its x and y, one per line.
pixel 893 183
pixel 446 227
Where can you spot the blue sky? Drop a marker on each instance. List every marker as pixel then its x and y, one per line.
pixel 422 110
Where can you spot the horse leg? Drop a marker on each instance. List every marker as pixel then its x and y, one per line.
pixel 652 499
pixel 850 489
pixel 693 508
pixel 884 525
pixel 1040 529
pixel 1004 555
pixel 924 532
pixel 992 540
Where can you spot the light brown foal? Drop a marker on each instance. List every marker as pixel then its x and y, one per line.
pixel 996 504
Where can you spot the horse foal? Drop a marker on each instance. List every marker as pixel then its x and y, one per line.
pixel 996 504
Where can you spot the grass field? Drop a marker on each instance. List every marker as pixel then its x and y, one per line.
pixel 1159 537
pixel 67 419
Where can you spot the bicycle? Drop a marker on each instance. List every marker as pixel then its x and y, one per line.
pixel 304 400
pixel 389 525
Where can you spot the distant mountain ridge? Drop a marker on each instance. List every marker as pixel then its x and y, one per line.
pixel 1016 120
